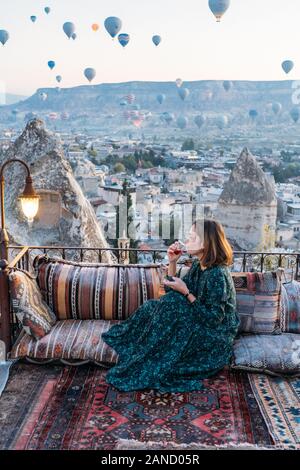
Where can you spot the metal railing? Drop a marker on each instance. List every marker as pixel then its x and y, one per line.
pixel 243 260
pixel 22 257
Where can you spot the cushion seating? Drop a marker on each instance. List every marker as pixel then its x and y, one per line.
pixel 69 340
pixel 95 291
pixel 275 355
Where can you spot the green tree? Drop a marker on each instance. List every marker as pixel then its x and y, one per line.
pixel 188 144
pixel 119 168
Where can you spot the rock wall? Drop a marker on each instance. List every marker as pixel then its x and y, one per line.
pixel 50 170
pixel 247 207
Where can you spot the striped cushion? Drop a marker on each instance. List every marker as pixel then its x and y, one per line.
pixel 89 291
pixel 69 340
pixel 258 302
pixel 290 307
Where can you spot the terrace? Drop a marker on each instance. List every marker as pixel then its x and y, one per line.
pixel 97 433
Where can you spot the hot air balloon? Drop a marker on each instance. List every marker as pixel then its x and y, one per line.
pixel 183 93
pixel 167 117
pixel 227 84
pixel 156 40
pixel 219 7
pixel 182 122
pixel 222 121
pixel 127 115
pixel 113 25
pixel 276 108
pixel 69 29
pixel 52 116
pixel 253 114
pixel 124 39
pixel 47 10
pixel 287 66
pixel 4 36
pixel 295 114
pixel 74 36
pixel 161 98
pixel 95 27
pixel 130 98
pixel 178 82
pixel 64 116
pixel 90 74
pixel 51 64
pixel 137 120
pixel 58 78
pixel 43 96
pixel 207 95
pixel 199 120
pixel 33 18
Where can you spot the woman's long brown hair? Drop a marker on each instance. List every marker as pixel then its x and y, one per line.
pixel 217 250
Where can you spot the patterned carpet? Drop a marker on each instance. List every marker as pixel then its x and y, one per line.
pixel 57 407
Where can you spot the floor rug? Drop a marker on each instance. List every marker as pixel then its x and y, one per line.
pixel 279 402
pixel 125 444
pixel 56 407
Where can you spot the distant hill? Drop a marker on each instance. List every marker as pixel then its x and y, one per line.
pixel 12 99
pixel 205 96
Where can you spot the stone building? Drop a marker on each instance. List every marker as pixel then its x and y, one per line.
pixel 247 207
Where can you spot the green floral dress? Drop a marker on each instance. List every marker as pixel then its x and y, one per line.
pixel 170 344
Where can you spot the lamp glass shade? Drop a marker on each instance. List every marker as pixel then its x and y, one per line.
pixel 30 206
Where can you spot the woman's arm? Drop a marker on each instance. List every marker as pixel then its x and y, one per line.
pixel 211 311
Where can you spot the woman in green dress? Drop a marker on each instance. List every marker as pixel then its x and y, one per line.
pixel 172 343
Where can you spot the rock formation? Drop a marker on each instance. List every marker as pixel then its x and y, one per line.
pixel 75 220
pixel 247 207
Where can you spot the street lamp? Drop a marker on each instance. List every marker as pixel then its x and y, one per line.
pixel 29 203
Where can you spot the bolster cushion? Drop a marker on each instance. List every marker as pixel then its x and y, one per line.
pixel 91 291
pixel 69 340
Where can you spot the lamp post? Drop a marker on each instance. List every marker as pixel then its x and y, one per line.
pixel 29 203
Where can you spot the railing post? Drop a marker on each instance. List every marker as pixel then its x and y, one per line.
pixel 5 326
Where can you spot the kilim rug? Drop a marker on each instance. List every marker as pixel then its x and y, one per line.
pixel 279 402
pixel 57 407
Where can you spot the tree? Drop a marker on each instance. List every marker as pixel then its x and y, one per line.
pixel 92 152
pixel 119 168
pixel 188 144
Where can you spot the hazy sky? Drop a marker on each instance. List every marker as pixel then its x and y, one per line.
pixel 250 42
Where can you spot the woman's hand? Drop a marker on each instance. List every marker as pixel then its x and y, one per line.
pixel 171 255
pixel 178 284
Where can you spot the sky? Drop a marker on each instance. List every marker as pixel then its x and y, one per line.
pixel 250 43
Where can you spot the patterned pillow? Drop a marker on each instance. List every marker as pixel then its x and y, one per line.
pixel 258 302
pixel 276 355
pixel 94 291
pixel 290 307
pixel 69 340
pixel 27 303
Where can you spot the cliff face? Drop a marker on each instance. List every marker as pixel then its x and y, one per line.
pixel 51 172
